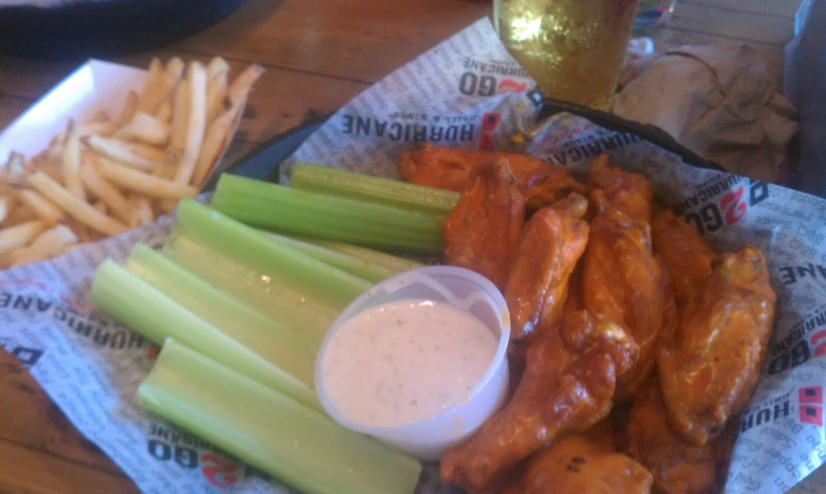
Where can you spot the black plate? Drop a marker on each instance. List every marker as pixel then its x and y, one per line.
pixel 263 162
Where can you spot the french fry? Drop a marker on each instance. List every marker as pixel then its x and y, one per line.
pixel 105 129
pixel 150 94
pixel 196 125
pixel 145 128
pixel 100 116
pixel 177 136
pixel 180 116
pixel 71 162
pixel 49 244
pixel 105 191
pixel 118 151
pixel 171 78
pixel 6 205
pixel 71 247
pixel 241 86
pixel 141 212
pixel 220 129
pixel 217 72
pixel 151 153
pixel 53 169
pixel 80 210
pixel 20 214
pixel 164 113
pixel 217 66
pixel 16 169
pixel 129 108
pixel 20 235
pixel 149 185
pixel 160 84
pixel 48 213
pixel 100 206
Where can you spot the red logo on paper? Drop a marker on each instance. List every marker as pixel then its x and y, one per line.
pixel 489 123
pixel 733 207
pixel 218 471
pixel 511 86
pixel 811 405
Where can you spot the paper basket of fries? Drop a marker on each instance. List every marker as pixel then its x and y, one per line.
pixel 112 148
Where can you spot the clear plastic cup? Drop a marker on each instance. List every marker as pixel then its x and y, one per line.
pixel 463 289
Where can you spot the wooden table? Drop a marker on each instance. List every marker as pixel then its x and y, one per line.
pixel 318 54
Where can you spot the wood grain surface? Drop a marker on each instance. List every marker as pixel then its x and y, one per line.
pixel 318 55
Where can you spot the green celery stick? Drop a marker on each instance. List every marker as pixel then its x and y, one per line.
pixel 316 279
pixel 357 267
pixel 262 290
pixel 142 308
pixel 270 431
pixel 388 261
pixel 279 208
pixel 279 345
pixel 377 190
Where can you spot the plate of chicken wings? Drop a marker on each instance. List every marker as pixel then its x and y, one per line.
pixel 635 341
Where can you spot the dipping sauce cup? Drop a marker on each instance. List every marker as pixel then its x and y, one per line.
pixel 424 307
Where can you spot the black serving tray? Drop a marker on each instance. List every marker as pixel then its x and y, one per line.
pixel 262 163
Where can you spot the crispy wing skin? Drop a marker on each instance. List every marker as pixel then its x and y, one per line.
pixel 629 192
pixel 687 256
pixel 575 465
pixel 482 231
pixel 711 361
pixel 677 467
pixel 566 388
pixel 450 168
pixel 549 247
pixel 622 279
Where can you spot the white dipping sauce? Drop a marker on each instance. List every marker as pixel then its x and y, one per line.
pixel 402 362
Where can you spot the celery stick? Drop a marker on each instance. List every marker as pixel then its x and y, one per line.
pixel 278 344
pixel 142 308
pixel 357 267
pixel 270 431
pixel 377 190
pixel 275 207
pixel 388 261
pixel 317 279
pixel 261 289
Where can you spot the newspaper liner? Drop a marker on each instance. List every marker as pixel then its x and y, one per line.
pixel 465 92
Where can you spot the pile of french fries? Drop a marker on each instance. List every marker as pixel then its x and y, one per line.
pixel 107 176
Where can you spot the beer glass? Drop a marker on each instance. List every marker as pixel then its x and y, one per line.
pixel 573 48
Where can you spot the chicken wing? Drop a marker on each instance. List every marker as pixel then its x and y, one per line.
pixel 629 192
pixel 566 388
pixel 450 168
pixel 677 467
pixel 710 362
pixel 622 279
pixel 482 231
pixel 549 247
pixel 687 256
pixel 575 465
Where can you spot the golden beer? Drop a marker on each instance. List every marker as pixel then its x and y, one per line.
pixel 573 48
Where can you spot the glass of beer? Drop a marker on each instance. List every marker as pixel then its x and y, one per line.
pixel 573 48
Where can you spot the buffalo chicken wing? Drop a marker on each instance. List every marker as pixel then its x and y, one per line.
pixel 567 387
pixel 625 281
pixel 550 246
pixel 575 465
pixel 687 256
pixel 482 231
pixel 710 362
pixel 677 467
pixel 629 192
pixel 451 168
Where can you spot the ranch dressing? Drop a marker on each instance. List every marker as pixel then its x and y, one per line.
pixel 402 362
